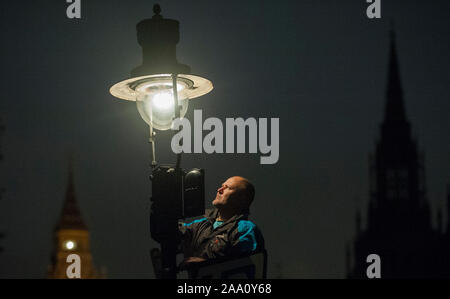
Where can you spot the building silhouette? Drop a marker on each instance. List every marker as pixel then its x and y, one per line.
pixel 71 236
pixel 399 227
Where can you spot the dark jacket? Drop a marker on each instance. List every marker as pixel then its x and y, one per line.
pixel 236 237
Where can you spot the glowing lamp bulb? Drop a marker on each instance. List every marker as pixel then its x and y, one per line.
pixel 156 104
pixel 163 101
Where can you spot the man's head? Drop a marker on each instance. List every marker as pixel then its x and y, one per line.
pixel 235 195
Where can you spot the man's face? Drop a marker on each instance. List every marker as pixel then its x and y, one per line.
pixel 228 195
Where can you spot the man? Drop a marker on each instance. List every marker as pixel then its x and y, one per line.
pixel 224 231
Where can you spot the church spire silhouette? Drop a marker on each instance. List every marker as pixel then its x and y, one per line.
pixel 395 128
pixel 71 216
pixel 395 108
pixel 397 166
pixel 399 227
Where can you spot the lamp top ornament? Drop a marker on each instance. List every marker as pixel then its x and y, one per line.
pixel 158 38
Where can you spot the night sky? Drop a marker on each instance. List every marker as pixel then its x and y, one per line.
pixel 318 66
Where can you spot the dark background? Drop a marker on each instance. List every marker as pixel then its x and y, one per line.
pixel 319 66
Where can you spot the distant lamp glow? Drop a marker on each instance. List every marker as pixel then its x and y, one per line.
pixel 69 245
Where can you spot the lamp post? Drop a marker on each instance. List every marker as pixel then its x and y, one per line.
pixel 162 88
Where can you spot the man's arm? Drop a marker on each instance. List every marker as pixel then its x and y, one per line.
pixel 187 233
pixel 246 240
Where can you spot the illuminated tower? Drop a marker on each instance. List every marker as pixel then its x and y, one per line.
pixel 71 237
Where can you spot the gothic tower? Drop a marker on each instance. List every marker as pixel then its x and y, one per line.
pixel 399 227
pixel 71 237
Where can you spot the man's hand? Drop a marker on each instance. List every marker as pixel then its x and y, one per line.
pixel 190 261
pixel 193 259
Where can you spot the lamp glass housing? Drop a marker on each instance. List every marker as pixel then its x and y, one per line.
pixel 156 104
pixel 154 96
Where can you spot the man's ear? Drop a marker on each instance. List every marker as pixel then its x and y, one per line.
pixel 244 200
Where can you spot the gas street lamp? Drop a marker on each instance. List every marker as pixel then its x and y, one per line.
pixel 162 88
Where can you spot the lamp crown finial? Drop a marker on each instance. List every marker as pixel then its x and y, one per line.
pixel 156 9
